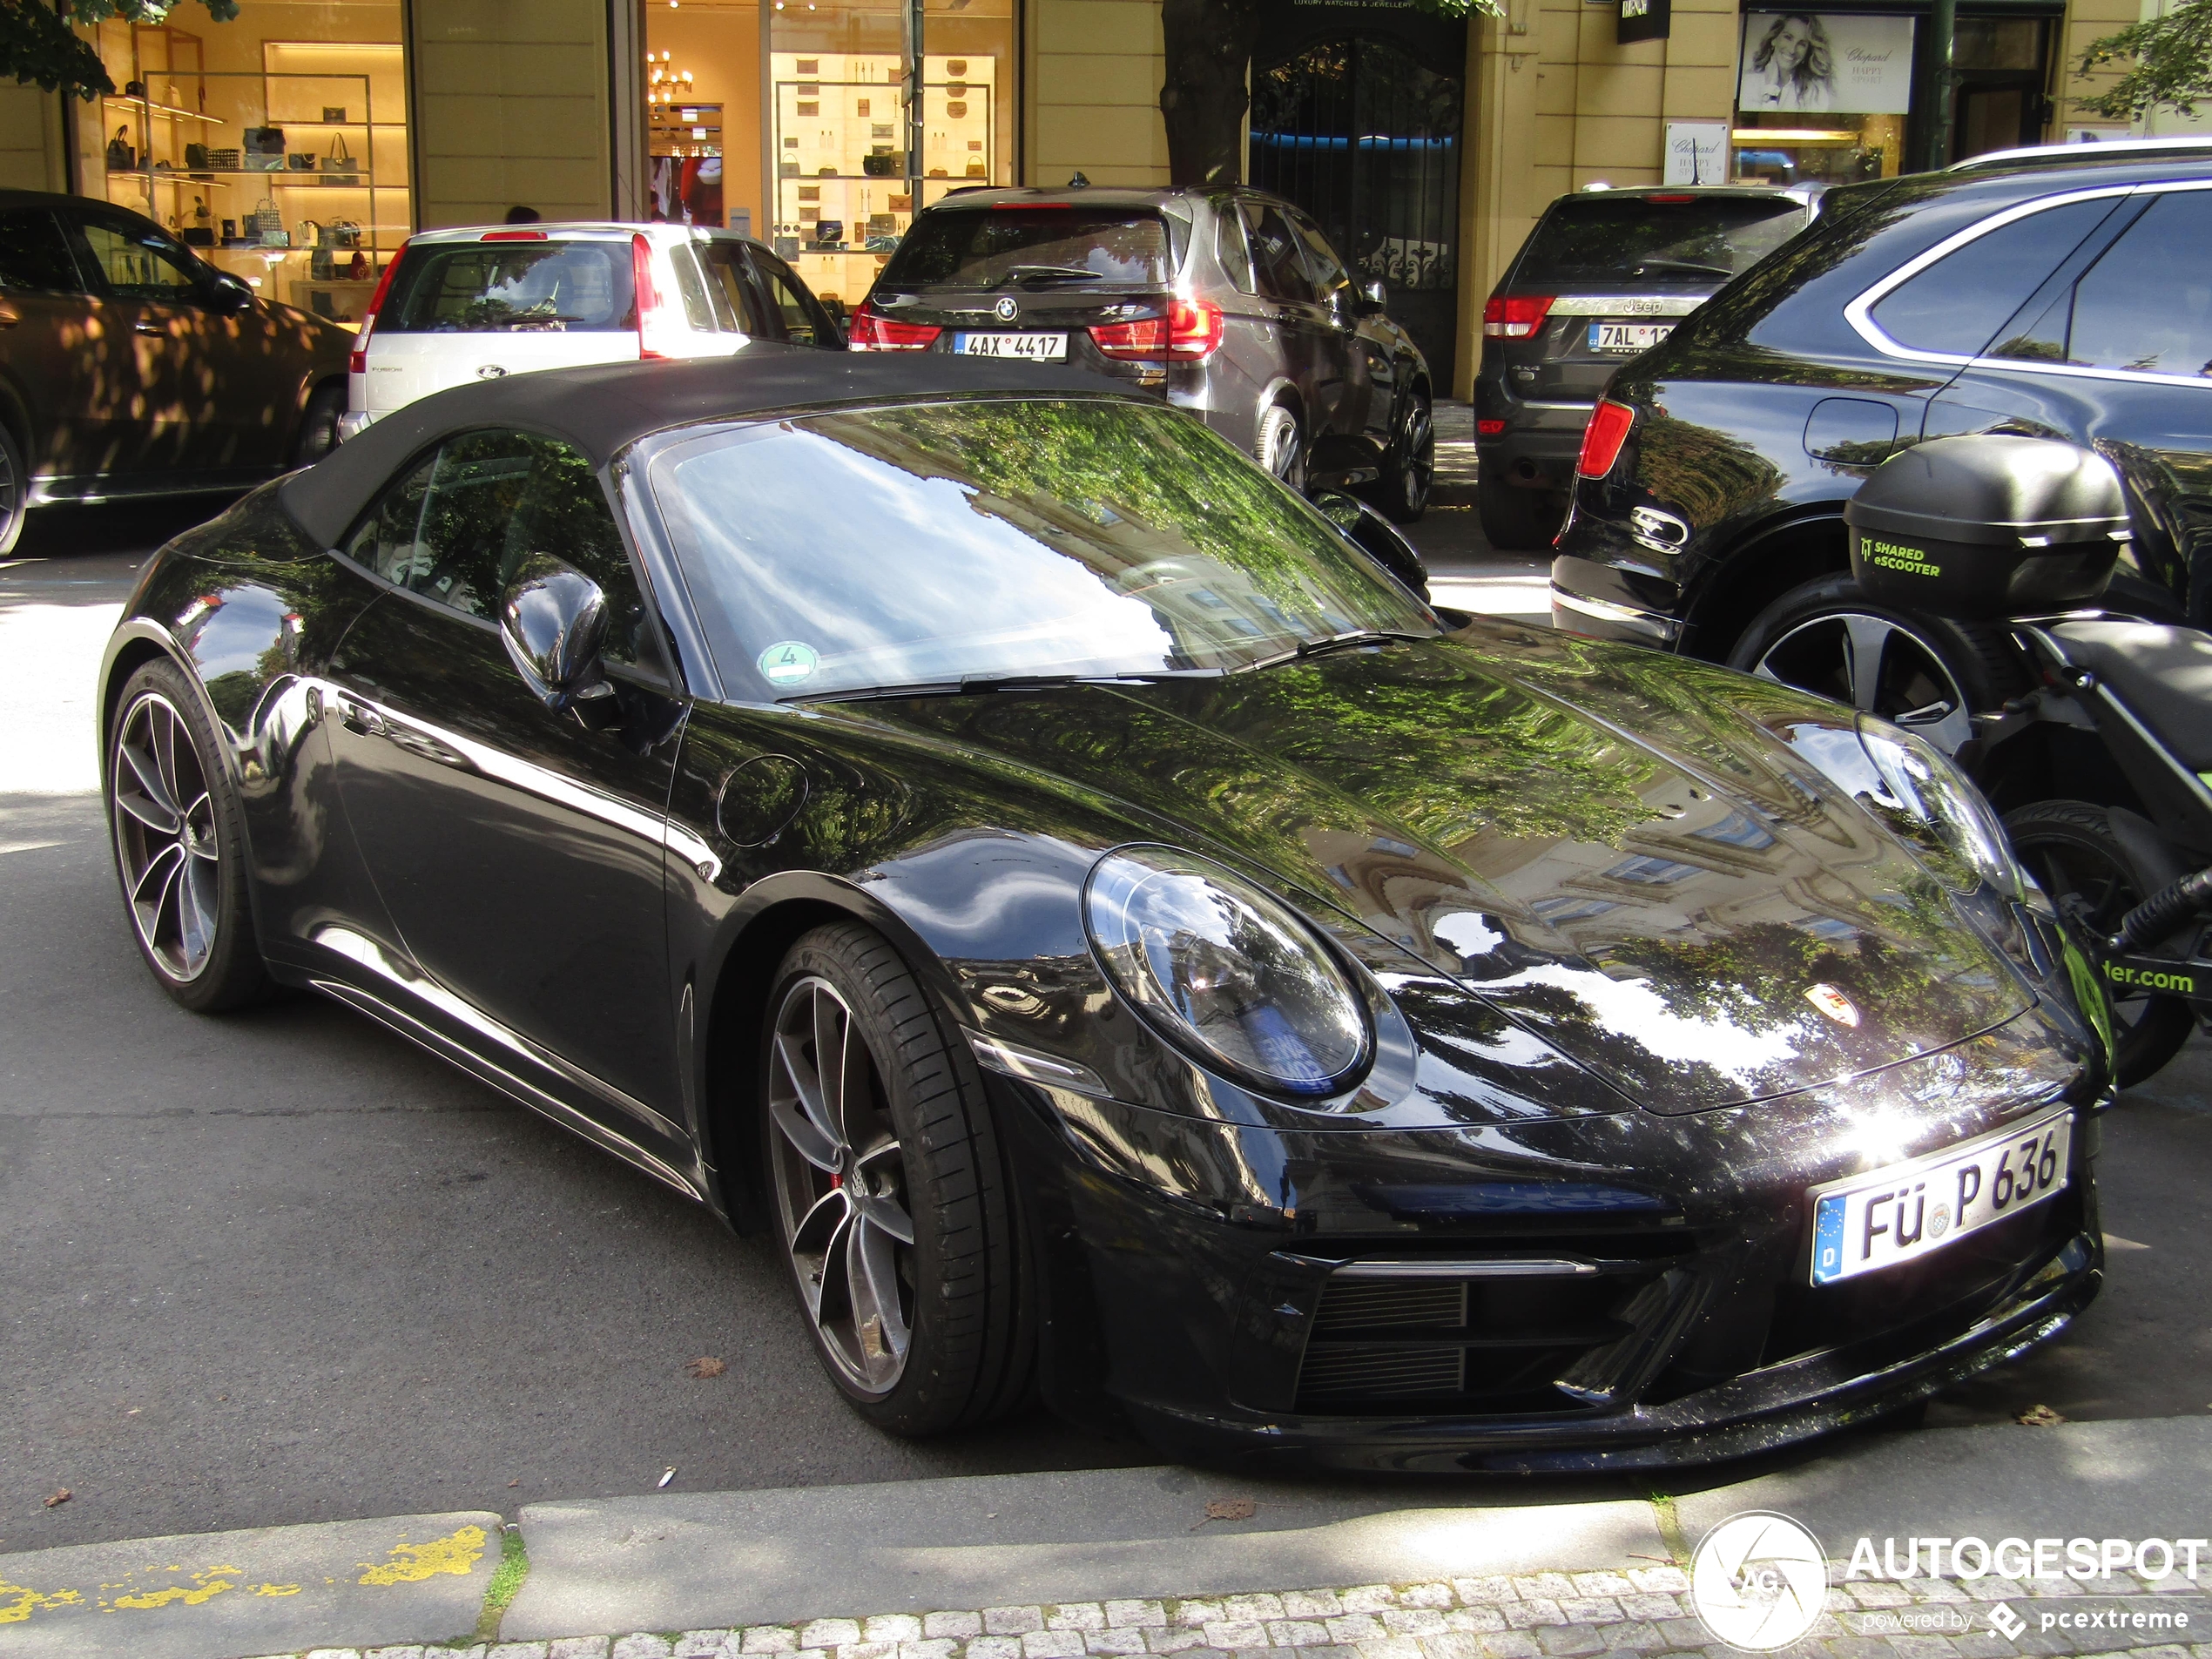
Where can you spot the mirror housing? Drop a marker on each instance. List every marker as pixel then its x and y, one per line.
pixel 553 621
pixel 228 294
pixel 1377 538
pixel 1375 297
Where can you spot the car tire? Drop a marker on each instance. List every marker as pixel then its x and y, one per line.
pixel 925 1332
pixel 1410 469
pixel 319 424
pixel 1514 520
pixel 1816 637
pixel 1280 446
pixel 15 492
pixel 2069 848
pixel 179 830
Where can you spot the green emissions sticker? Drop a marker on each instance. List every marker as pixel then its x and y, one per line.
pixel 788 662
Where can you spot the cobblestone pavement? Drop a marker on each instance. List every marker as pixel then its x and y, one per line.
pixel 1641 1614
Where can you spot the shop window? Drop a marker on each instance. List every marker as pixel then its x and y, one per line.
pixel 1957 304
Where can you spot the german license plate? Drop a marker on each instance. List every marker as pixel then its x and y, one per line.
pixel 1627 336
pixel 1865 1223
pixel 1043 349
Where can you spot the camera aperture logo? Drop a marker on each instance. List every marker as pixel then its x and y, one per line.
pixel 1758 1581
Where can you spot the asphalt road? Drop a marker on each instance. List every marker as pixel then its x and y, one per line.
pixel 286 1267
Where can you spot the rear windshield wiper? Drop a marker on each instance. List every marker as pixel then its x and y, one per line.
pixel 1055 272
pixel 1695 266
pixel 1354 640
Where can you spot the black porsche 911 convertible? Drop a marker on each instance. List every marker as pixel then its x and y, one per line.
pixel 1121 944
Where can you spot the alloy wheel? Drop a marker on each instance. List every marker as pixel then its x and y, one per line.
pixel 1283 454
pixel 1877 665
pixel 164 837
pixel 1417 442
pixel 841 1186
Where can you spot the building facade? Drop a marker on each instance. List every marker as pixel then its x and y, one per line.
pixel 299 143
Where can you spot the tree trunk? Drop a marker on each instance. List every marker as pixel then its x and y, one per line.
pixel 1209 50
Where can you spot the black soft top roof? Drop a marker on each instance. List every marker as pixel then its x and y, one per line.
pixel 603 409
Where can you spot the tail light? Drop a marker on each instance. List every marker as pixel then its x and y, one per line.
pixel 1514 316
pixel 1194 329
pixel 872 331
pixel 1602 438
pixel 652 311
pixel 357 360
pixel 1143 341
pixel 1489 428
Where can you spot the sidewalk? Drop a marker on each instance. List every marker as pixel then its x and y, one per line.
pixel 1126 1562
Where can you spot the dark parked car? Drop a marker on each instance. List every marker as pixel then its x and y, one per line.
pixel 2060 298
pixel 1605 274
pixel 1229 303
pixel 130 365
pixel 1131 946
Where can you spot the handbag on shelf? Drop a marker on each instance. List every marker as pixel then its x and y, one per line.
pixel 265 222
pixel 121 157
pixel 225 161
pixel 265 149
pixel 344 233
pixel 196 157
pixel 340 160
pixel 883 164
pixel 333 113
pixel 300 161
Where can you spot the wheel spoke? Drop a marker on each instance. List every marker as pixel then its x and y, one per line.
pixel 200 822
pixel 872 1282
pixel 148 812
pixel 831 1028
pixel 195 914
pixel 154 790
pixel 1865 641
pixel 798 1114
pixel 833 1286
pixel 164 724
pixel 160 869
pixel 880 1173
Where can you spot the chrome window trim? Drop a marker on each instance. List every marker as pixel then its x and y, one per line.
pixel 1859 312
pixel 1627 305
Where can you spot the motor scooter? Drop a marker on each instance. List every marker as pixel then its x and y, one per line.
pixel 2021 534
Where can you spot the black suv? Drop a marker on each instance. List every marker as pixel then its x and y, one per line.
pixel 1604 275
pixel 1229 303
pixel 2066 297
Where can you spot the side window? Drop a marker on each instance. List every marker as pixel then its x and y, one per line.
pixel 804 321
pixel 565 513
pixel 2147 303
pixel 138 265
pixel 1959 303
pixel 1277 265
pixel 699 307
pixel 737 305
pixel 1228 246
pixel 33 257
pixel 1329 274
pixel 388 540
pixel 458 526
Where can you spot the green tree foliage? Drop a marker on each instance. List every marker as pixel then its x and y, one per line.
pixel 38 42
pixel 2171 64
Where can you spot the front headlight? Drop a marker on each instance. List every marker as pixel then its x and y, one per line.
pixel 1930 803
pixel 1226 972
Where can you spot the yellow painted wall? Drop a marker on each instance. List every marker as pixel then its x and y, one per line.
pixel 511 106
pixel 1094 71
pixel 2089 20
pixel 32 153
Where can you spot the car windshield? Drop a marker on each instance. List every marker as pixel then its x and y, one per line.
pixel 930 544
pixel 988 247
pixel 1627 237
pixel 475 287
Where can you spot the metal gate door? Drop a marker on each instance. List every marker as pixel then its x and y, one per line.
pixel 1367 139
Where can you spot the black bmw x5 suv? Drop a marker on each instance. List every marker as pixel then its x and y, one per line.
pixel 2057 296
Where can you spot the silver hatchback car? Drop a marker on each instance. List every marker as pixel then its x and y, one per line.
pixel 1229 303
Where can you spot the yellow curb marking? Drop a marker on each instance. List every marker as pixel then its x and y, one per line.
pixel 18 1602
pixel 276 1589
pixel 456 1554
pixel 146 1599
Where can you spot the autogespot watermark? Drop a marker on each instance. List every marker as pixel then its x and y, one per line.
pixel 1759 1582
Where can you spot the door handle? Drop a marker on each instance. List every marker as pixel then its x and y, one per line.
pixel 356 717
pixel 151 329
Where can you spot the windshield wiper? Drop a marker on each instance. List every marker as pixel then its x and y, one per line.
pixel 1056 273
pixel 978 684
pixel 1310 647
pixel 1696 267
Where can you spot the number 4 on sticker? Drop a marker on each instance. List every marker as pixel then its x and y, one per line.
pixel 788 662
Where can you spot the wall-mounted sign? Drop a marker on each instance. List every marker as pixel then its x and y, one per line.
pixel 1696 153
pixel 1644 20
pixel 1818 63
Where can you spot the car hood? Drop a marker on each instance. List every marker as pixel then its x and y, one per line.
pixel 1620 851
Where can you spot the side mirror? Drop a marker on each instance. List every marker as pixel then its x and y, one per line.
pixel 553 621
pixel 1377 538
pixel 1375 297
pixel 228 294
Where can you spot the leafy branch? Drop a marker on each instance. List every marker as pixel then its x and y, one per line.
pixel 2172 65
pixel 39 41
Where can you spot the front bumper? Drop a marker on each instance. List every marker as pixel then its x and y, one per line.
pixel 1608 602
pixel 1593 1292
